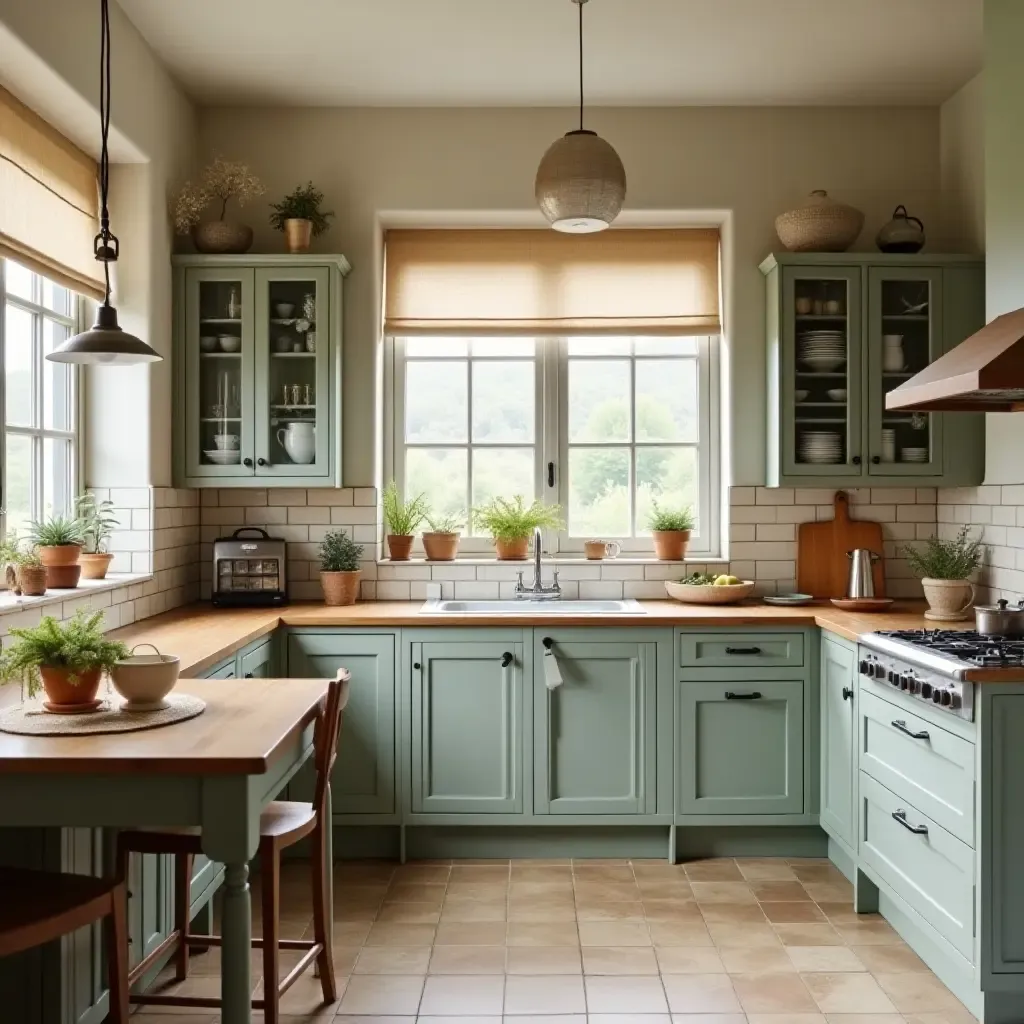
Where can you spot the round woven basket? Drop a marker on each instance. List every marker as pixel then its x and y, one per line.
pixel 820 224
pixel 221 236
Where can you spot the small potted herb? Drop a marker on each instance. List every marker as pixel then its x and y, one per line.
pixel 511 524
pixel 98 522
pixel 299 216
pixel 59 541
pixel 66 660
pixel 402 519
pixel 441 541
pixel 670 529
pixel 945 568
pixel 339 568
pixel 30 573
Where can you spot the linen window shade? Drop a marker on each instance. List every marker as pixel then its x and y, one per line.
pixel 49 205
pixel 624 281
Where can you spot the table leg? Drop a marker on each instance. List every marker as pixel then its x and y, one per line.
pixel 236 978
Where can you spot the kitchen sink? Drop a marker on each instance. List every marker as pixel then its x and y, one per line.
pixel 539 608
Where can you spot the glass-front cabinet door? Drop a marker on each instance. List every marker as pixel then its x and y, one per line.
pixel 820 382
pixel 904 335
pixel 219 369
pixel 293 372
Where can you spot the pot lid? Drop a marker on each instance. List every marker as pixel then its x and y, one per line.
pixel 1002 605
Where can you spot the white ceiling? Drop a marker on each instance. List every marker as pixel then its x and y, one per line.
pixel 523 52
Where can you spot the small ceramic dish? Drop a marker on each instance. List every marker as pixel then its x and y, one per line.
pixel 208 343
pixel 862 604
pixel 837 394
pixel 789 599
pixel 801 396
pixel 284 309
pixel 230 343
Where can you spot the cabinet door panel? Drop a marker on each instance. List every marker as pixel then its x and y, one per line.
pixel 258 664
pixel 838 755
pixel 739 753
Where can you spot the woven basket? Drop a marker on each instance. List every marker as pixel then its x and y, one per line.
pixel 340 588
pixel 819 225
pixel 221 236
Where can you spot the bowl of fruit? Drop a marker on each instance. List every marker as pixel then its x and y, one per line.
pixel 703 588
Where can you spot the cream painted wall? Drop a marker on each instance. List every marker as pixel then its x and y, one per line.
pixel 962 167
pixel 753 163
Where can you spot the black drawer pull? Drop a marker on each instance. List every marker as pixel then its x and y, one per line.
pixel 901 817
pixel 729 695
pixel 248 675
pixel 900 725
pixel 506 659
pixel 743 650
pixel 847 693
pixel 548 643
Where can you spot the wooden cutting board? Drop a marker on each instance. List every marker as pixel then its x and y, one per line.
pixel 822 565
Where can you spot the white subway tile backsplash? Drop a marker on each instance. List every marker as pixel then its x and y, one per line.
pixel 600 590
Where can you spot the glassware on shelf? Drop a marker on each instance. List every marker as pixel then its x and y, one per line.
pixel 307 394
pixel 234 308
pixel 296 394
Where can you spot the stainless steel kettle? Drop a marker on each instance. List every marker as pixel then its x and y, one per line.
pixel 862 580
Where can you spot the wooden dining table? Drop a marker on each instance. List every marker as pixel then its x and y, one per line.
pixel 216 772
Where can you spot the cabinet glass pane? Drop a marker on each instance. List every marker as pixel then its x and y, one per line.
pixel 220 373
pixel 821 416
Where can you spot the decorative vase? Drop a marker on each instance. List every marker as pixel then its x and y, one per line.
pixel 60 690
pixel 948 600
pixel 670 545
pixel 61 562
pixel 32 580
pixel 399 547
pixel 517 550
pixel 299 441
pixel 297 234
pixel 95 564
pixel 221 236
pixel 441 547
pixel 820 224
pixel 902 234
pixel 340 588
pixel 310 341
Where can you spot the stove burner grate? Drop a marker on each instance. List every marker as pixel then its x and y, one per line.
pixel 964 645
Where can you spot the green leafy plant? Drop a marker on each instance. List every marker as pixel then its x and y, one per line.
pixel 98 522
pixel 447 523
pixel 302 203
pixel 339 553
pixel 10 549
pixel 664 519
pixel 403 517
pixel 27 556
pixel 57 531
pixel 945 559
pixel 77 645
pixel 509 520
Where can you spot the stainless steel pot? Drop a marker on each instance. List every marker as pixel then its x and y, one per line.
pixel 1000 619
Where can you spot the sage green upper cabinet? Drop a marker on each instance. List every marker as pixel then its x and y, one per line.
pixel 258 370
pixel 838 813
pixel 843 329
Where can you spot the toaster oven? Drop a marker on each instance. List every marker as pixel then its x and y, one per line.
pixel 250 568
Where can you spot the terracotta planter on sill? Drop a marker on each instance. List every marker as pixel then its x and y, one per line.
pixel 399 547
pixel 297 234
pixel 948 600
pixel 341 588
pixel 517 550
pixel 62 566
pixel 95 564
pixel 670 545
pixel 441 547
pixel 32 580
pixel 60 690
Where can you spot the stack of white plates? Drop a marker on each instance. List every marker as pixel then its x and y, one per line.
pixel 224 458
pixel 823 350
pixel 820 446
pixel 913 455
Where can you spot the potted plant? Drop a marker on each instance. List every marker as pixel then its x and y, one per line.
pixel 945 568
pixel 98 522
pixel 9 552
pixel 59 542
pixel 511 524
pixel 65 660
pixel 30 573
pixel 221 181
pixel 299 216
pixel 670 529
pixel 441 541
pixel 339 568
pixel 402 518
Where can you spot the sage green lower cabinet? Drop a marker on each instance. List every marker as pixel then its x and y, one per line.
pixel 258 662
pixel 225 670
pixel 837 682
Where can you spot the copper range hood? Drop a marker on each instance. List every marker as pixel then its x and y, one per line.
pixel 984 373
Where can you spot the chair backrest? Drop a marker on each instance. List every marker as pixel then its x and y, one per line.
pixel 325 735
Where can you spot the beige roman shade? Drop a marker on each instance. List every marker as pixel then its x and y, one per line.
pixel 623 281
pixel 48 200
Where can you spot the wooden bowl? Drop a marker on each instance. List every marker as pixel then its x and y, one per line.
pixel 689 594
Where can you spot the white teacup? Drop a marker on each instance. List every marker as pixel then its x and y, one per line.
pixel 596 549
pixel 226 442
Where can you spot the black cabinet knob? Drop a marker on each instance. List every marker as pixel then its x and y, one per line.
pixel 261 462
pixel 847 693
pixel 416 665
pixel 248 675
pixel 855 460
pixel 506 659
pixel 876 459
pixel 247 462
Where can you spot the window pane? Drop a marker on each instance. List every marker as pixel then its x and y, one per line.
pixel 665 346
pixel 18 497
pixel 436 402
pixel 502 472
pixel 56 380
pixel 440 474
pixel 57 298
pixel 599 400
pixel 56 476
pixel 668 475
pixel 599 492
pixel 18 372
pixel 666 400
pixel 435 348
pixel 503 401
pixel 489 347
pixel 18 280
pixel 599 346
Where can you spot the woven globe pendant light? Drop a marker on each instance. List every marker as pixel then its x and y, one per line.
pixel 581 183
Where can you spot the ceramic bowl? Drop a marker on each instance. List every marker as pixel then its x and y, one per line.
pixel 208 343
pixel 284 309
pixel 837 394
pixel 226 442
pixel 230 343
pixel 224 458
pixel 801 396
pixel 144 680
pixel 690 594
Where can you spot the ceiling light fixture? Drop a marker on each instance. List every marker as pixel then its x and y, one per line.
pixel 581 182
pixel 104 342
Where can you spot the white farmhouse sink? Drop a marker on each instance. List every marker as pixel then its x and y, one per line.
pixel 539 608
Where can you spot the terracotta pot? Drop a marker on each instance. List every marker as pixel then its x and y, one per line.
pixel 441 547
pixel 222 236
pixel 517 550
pixel 297 234
pixel 32 580
pixel 399 547
pixel 948 600
pixel 670 545
pixel 95 565
pixel 59 690
pixel 62 568
pixel 341 588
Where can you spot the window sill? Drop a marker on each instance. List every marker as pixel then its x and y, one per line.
pixel 557 560
pixel 9 603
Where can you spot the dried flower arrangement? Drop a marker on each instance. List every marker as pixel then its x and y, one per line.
pixel 223 180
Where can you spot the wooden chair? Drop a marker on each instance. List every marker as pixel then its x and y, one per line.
pixel 282 824
pixel 39 906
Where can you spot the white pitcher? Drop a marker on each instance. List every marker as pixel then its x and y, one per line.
pixel 299 441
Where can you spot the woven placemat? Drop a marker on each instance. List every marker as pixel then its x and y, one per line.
pixel 31 719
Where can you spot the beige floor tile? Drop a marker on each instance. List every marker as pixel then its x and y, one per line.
pixel 606 892
pixel 721 892
pixel 610 912
pixel 689 960
pixel 415 892
pixel 629 1018
pixel 664 888
pixel 869 1018
pixel 305 1000
pixel 674 910
pixel 390 934
pixel 619 960
pixel 553 993
pixel 614 933
pixel 792 913
pixel 894 959
pixel 765 869
pixel 779 891
pixel 848 993
pixel 958 1016
pixel 743 935
pixel 842 912
pixel 352 873
pixel 392 960
pixel 463 872
pixel 526 933
pixel 552 885
pixel 756 959
pixel 416 872
pixel 543 960
pixel 535 871
pixel 656 867
pixel 681 933
pixel 700 993
pixel 785 1018
pixel 808 935
pixel 539 912
pixel 152 1015
pixel 476 894
pixel 625 995
pixel 732 913
pixel 873 933
pixel 393 994
pixel 830 892
pixel 719 869
pixel 773 993
pixel 709 1018
pixel 470 933
pixel 409 913
pixel 460 995
pixel 917 993
pixel 350 933
pixel 467 960
pixel 463 912
pixel 607 873
pixel 546 1018
pixel 473 1018
pixel 825 959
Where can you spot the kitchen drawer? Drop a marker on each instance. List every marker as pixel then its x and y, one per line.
pixel 931 870
pixel 741 650
pixel 920 762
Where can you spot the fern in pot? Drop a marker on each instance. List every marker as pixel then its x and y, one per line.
pixel 299 216
pixel 98 522
pixel 945 568
pixel 441 541
pixel 402 519
pixel 670 529
pixel 339 568
pixel 59 541
pixel 511 523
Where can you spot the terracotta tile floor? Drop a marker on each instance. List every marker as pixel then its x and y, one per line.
pixel 598 942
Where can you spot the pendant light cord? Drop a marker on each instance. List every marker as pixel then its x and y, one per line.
pixel 105 246
pixel 579 3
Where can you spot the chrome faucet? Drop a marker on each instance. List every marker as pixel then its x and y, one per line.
pixel 538 592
